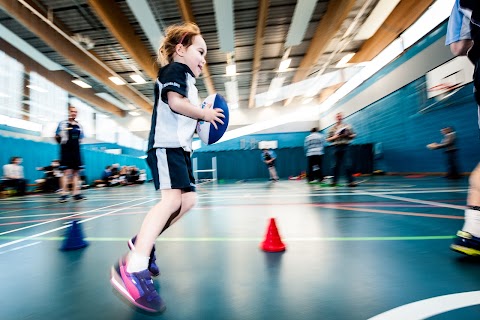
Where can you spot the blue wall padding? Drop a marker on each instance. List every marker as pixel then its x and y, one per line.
pixel 40 154
pixel 403 131
pixel 247 164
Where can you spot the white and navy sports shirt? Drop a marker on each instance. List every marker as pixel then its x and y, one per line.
pixel 170 129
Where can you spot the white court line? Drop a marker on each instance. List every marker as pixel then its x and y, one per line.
pixel 431 203
pixel 54 201
pixel 37 215
pixel 292 195
pixel 68 225
pixel 63 218
pixel 21 247
pixel 22 209
pixel 427 308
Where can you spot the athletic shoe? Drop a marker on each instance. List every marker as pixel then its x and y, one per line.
pixel 79 197
pixel 466 243
pixel 63 198
pixel 137 287
pixel 152 266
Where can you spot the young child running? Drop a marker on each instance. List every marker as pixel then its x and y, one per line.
pixel 175 115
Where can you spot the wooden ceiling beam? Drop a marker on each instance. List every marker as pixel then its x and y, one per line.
pixel 402 17
pixel 115 20
pixel 187 15
pixel 50 34
pixel 328 27
pixel 337 12
pixel 257 54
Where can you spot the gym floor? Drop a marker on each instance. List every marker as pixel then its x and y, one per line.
pixel 379 251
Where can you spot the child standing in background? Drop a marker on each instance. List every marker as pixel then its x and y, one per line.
pixel 174 119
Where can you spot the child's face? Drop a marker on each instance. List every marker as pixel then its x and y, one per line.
pixel 194 55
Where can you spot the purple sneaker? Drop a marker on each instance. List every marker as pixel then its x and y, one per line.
pixel 152 266
pixel 137 287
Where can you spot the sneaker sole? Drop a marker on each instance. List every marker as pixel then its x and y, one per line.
pixel 465 250
pixel 117 283
pixel 131 246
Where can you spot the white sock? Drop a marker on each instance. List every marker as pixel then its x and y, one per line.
pixel 136 262
pixel 472 222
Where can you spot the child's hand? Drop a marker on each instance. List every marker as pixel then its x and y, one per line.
pixel 213 115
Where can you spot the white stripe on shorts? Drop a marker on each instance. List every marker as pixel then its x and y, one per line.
pixel 162 166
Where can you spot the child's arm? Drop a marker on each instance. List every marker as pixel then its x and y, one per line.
pixel 182 105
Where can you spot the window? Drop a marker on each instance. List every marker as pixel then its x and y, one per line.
pixel 84 116
pixel 106 128
pixel 11 86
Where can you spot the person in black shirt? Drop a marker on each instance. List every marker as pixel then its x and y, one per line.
pixel 69 135
pixel 449 145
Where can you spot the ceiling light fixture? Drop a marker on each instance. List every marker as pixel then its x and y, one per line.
pixel 231 70
pixel 138 78
pixel 231 88
pixel 36 88
pixel 134 113
pixel 81 83
pixel 344 61
pixel 117 80
pixel 285 63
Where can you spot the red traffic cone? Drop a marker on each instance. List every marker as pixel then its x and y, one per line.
pixel 272 242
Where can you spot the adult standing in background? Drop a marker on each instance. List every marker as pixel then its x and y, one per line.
pixel 449 144
pixel 69 135
pixel 463 37
pixel 14 177
pixel 314 145
pixel 340 135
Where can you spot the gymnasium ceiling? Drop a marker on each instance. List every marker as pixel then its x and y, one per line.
pixel 93 40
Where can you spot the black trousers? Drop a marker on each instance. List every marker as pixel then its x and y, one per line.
pixel 18 184
pixel 314 170
pixel 452 167
pixel 342 158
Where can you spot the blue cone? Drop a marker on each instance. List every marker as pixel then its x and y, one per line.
pixel 74 237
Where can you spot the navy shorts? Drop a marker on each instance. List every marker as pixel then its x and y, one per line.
pixel 171 169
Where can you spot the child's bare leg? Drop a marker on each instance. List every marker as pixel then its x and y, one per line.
pixel 472 214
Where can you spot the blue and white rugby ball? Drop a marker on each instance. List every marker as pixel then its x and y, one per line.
pixel 205 130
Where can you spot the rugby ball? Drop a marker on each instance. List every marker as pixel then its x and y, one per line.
pixel 205 130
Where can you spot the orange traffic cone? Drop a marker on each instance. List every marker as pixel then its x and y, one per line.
pixel 272 242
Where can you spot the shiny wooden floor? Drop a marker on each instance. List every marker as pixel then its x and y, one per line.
pixel 352 253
